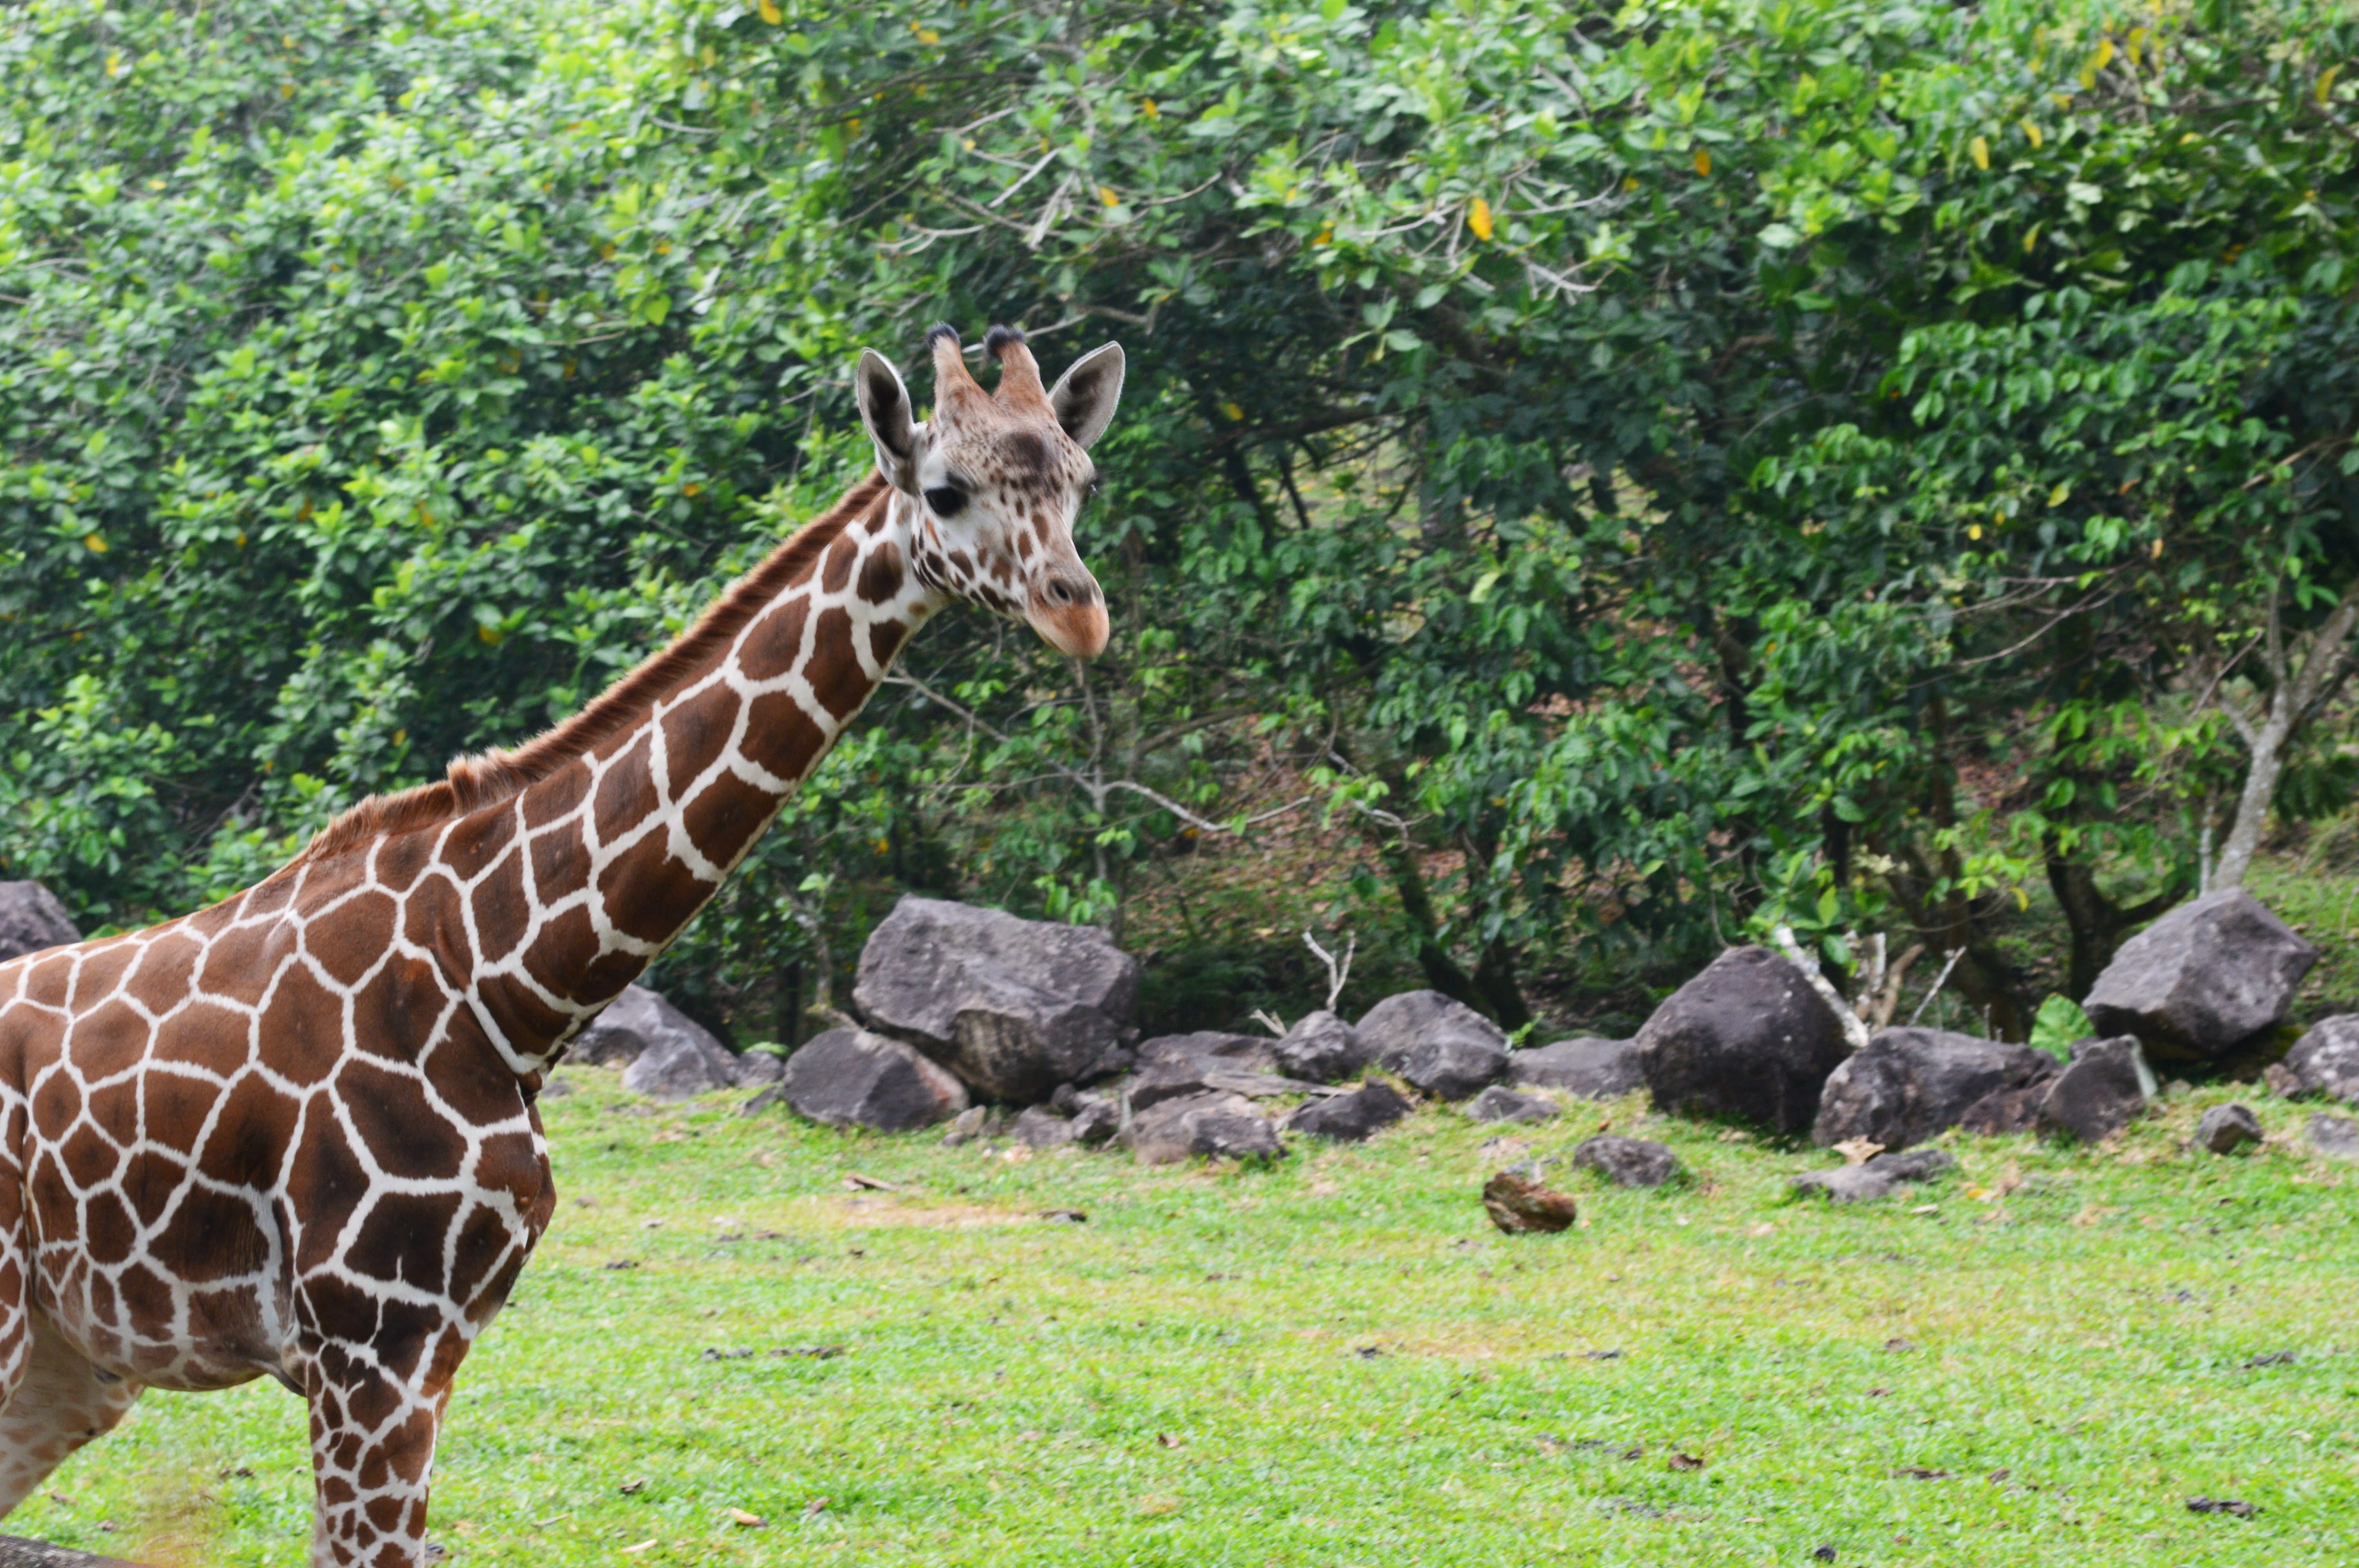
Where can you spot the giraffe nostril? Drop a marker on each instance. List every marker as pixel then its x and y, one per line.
pixel 1060 591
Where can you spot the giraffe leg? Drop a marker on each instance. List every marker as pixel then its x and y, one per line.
pixel 373 1434
pixel 59 1402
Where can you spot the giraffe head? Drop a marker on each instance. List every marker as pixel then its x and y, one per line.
pixel 996 480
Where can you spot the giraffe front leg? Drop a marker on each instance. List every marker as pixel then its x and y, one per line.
pixel 373 1432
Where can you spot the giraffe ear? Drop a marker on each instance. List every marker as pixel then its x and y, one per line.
pixel 1085 397
pixel 884 409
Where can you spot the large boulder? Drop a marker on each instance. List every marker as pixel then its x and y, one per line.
pixel 2100 1091
pixel 1351 1117
pixel 1237 1052
pixel 1592 1069
pixel 850 1077
pixel 2203 982
pixel 1909 1085
pixel 2325 1061
pixel 1217 1126
pixel 1442 1046
pixel 1747 1038
pixel 664 1054
pixel 31 918
pixel 1014 1006
pixel 1324 1049
pixel 681 1066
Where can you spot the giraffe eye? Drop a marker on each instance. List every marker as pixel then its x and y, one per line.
pixel 947 499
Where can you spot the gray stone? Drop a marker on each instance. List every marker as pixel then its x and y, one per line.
pixel 678 1067
pixel 1909 1085
pixel 1443 1047
pixel 1592 1069
pixel 1500 1103
pixel 1014 1006
pixel 2325 1061
pixel 2100 1091
pixel 631 1025
pixel 1241 1052
pixel 850 1078
pixel 756 1068
pixel 1351 1117
pixel 2202 982
pixel 31 919
pixel 1217 1126
pixel 1746 1038
pixel 17 1552
pixel 2224 1129
pixel 1095 1122
pixel 1879 1178
pixel 1040 1127
pixel 1324 1049
pixel 2335 1135
pixel 1628 1162
pixel 2004 1111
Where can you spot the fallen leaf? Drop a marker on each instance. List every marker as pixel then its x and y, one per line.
pixel 646 1545
pixel 1919 1473
pixel 1858 1151
pixel 744 1521
pixel 816 1506
pixel 1685 1461
pixel 1157 1507
pixel 633 1489
pixel 1167 1441
pixel 1899 1347
pixel 1066 1216
pixel 856 1181
pixel 2221 1506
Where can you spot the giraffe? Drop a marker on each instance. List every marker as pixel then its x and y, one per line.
pixel 296 1134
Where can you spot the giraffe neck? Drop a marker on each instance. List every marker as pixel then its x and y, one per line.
pixel 608 857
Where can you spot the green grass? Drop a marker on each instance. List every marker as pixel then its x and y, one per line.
pixel 1337 1361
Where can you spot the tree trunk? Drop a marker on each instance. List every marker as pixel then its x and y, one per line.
pixel 2096 922
pixel 2268 748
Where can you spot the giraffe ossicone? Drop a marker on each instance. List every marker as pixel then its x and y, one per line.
pixel 295 1134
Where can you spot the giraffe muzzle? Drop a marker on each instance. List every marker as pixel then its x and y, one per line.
pixel 1066 608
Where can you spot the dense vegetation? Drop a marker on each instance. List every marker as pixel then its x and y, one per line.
pixel 1601 480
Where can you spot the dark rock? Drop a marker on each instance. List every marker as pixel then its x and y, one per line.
pixel 1909 1085
pixel 2278 1079
pixel 850 1077
pixel 2325 1061
pixel 1240 1052
pixel 1351 1117
pixel 2335 1135
pixel 1746 1038
pixel 631 1023
pixel 2099 1092
pixel 1879 1178
pixel 1500 1103
pixel 1594 1069
pixel 2204 980
pixel 1175 1077
pixel 2004 1111
pixel 1218 1126
pixel 31 919
pixel 1014 1006
pixel 1516 1206
pixel 1042 1128
pixel 1443 1047
pixel 1096 1122
pixel 665 1053
pixel 1628 1162
pixel 2226 1129
pixel 756 1068
pixel 1324 1049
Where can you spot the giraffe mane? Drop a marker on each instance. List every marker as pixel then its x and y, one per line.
pixel 487 778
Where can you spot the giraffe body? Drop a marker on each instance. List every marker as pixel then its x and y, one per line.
pixel 294 1133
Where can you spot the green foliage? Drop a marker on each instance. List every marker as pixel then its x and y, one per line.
pixel 1645 476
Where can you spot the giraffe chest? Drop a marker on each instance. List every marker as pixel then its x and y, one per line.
pixel 201 1199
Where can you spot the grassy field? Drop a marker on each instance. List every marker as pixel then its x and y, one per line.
pixel 1336 1360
